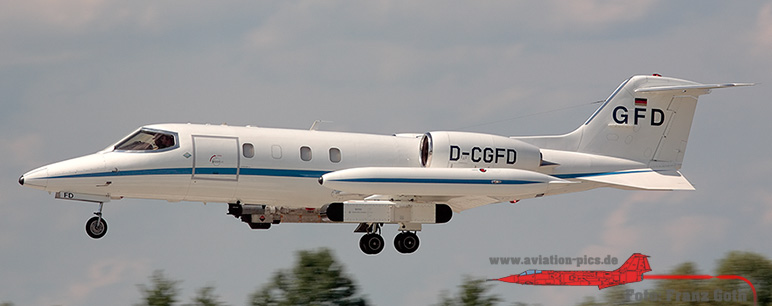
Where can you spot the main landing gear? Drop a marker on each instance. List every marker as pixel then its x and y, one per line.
pixel 406 242
pixel 96 227
pixel 372 242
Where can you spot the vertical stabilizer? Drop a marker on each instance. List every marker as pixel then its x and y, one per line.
pixel 646 126
pixel 646 119
pixel 638 263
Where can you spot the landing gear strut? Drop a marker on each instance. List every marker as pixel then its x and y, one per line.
pixel 96 227
pixel 372 243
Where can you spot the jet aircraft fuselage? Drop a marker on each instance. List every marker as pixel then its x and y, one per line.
pixel 269 176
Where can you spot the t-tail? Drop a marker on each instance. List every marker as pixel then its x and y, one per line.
pixel 646 120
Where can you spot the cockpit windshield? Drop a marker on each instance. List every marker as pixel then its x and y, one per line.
pixel 529 272
pixel 147 140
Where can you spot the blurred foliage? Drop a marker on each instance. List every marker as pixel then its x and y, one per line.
pixel 473 292
pixel 714 292
pixel 316 279
pixel 162 291
pixel 206 297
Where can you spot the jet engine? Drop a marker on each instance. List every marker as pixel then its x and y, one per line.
pixel 475 150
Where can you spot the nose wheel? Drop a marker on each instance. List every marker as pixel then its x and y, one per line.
pixel 96 227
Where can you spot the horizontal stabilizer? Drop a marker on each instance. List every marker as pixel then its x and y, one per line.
pixel 691 87
pixel 645 179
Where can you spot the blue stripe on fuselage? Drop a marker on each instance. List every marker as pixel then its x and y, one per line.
pixel 438 181
pixel 283 172
pixel 580 175
pixel 189 171
pixel 482 182
pixel 315 174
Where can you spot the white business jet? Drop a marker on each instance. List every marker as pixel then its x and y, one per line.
pixel 635 140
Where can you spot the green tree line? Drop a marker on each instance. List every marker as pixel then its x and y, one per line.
pixel 317 278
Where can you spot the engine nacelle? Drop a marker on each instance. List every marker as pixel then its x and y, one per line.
pixel 475 150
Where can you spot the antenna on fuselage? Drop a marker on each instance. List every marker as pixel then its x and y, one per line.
pixel 315 125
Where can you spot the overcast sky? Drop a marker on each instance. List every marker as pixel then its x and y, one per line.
pixel 76 76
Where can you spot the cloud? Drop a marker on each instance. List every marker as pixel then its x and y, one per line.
pixel 765 198
pixel 763 34
pixel 54 14
pixel 683 233
pixel 24 149
pixel 596 14
pixel 688 233
pixel 619 232
pixel 80 17
pixel 104 68
pixel 102 273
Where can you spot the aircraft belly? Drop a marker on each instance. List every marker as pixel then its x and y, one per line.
pixel 282 191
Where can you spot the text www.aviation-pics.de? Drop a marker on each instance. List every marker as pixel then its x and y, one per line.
pixel 555 260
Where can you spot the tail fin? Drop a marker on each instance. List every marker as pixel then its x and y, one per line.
pixel 646 119
pixel 631 271
pixel 638 263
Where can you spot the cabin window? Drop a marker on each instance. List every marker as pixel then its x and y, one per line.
pixel 248 150
pixel 305 153
pixel 276 151
pixel 148 140
pixel 335 155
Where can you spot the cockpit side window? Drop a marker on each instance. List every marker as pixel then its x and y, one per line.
pixel 530 272
pixel 147 140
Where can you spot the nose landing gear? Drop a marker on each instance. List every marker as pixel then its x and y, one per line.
pixel 96 227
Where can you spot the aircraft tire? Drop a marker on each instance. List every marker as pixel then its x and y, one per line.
pixel 96 229
pixel 406 242
pixel 371 244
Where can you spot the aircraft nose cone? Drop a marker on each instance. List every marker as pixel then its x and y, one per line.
pixel 36 178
